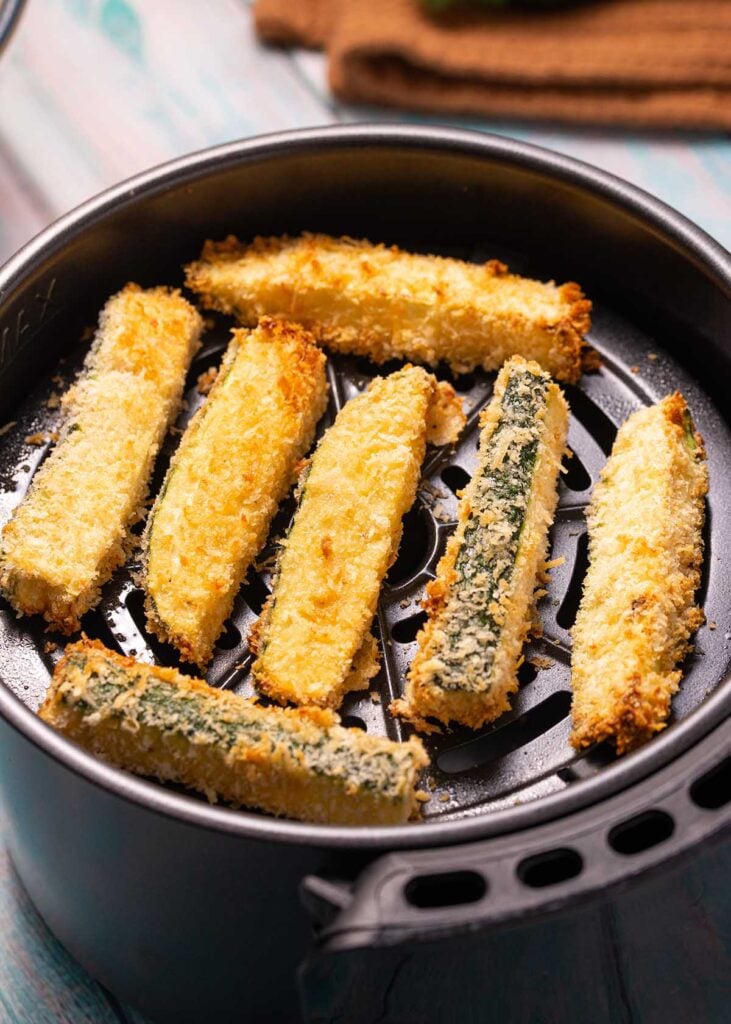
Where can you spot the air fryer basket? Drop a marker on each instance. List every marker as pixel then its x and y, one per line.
pixel 526 753
pixel 658 326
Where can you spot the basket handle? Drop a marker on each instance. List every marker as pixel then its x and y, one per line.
pixel 405 901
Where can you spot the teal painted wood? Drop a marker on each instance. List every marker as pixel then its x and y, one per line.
pixel 40 983
pixel 92 91
pixel 23 211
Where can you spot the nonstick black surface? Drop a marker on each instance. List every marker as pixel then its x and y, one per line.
pixel 587 896
pixel 525 754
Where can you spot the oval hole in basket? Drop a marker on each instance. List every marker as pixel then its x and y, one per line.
pixel 576 477
pixel 588 413
pixel 713 789
pixel 353 722
pixel 464 382
pixel 455 478
pixel 229 638
pixel 527 673
pixel 448 889
pixel 505 739
pixel 405 630
pixel 96 627
pixel 255 592
pixel 566 615
pixel 413 549
pixel 641 832
pixel 550 868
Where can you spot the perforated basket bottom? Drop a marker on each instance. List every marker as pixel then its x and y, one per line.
pixel 526 753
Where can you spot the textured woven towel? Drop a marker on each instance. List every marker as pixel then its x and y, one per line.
pixel 655 63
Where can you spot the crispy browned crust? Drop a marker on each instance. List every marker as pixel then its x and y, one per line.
pixel 300 762
pixel 73 528
pixel 638 613
pixel 365 333
pixel 572 330
pixel 474 698
pixel 312 641
pixel 229 522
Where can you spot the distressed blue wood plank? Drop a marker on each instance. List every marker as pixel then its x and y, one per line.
pixel 40 983
pixel 24 212
pixel 92 91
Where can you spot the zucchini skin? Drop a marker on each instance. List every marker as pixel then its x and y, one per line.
pixel 479 606
pixel 384 303
pixel 300 763
pixel 638 611
pixel 72 530
pixel 235 463
pixel 345 535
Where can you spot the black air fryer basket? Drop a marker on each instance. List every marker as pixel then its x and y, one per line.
pixel 541 886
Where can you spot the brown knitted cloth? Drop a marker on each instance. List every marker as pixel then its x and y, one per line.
pixel 655 63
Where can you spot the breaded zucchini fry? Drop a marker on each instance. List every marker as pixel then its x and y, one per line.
pixel 72 529
pixel 235 463
pixel 296 762
pixel 480 604
pixel 383 303
pixel 637 612
pixel 345 535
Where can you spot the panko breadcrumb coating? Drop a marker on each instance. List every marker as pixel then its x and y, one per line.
pixel 384 303
pixel 73 527
pixel 638 611
pixel 480 604
pixel 345 535
pixel 235 463
pixel 300 763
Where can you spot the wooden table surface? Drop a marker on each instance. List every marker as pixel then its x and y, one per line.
pixel 92 91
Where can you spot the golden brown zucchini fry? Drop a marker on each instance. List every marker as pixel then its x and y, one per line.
pixel 383 303
pixel 637 612
pixel 345 535
pixel 480 604
pixel 235 463
pixel 72 529
pixel 296 762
